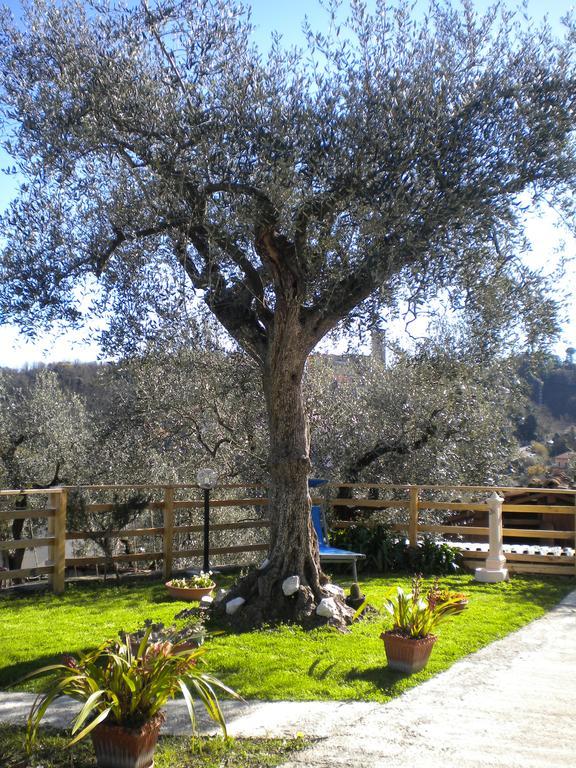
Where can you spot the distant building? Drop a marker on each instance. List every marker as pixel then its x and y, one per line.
pixel 564 460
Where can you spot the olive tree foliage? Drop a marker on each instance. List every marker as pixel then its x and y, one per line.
pixel 45 439
pixel 291 192
pixel 202 406
pixel 444 411
pixel 123 448
pixel 50 436
pixel 428 418
pixel 45 433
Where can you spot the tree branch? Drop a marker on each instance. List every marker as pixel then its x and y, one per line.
pixel 268 213
pixel 233 304
pixel 399 447
pixel 121 236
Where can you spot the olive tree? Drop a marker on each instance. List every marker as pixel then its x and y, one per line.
pixel 45 432
pixel 439 413
pixel 205 407
pixel 293 192
pixel 45 438
pixel 426 419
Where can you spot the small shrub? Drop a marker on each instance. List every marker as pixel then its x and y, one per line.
pixel 388 552
pixel 413 615
pixel 435 557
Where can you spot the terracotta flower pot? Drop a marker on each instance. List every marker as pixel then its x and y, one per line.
pixel 118 747
pixel 189 593
pixel 407 654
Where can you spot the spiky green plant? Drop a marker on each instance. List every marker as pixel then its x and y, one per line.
pixel 416 617
pixel 126 686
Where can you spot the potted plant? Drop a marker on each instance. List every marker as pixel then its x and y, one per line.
pixel 436 596
pixel 123 694
pixel 185 638
pixel 191 588
pixel 410 641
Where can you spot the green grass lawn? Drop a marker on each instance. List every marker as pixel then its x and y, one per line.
pixel 172 751
pixel 272 663
pixel 35 628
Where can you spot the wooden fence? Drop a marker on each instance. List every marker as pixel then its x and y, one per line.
pixel 417 501
pixel 53 511
pixel 407 510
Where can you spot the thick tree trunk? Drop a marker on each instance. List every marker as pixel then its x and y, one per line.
pixel 294 546
pixel 294 549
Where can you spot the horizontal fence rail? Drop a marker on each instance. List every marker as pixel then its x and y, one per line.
pixel 553 525
pixel 53 510
pixel 406 509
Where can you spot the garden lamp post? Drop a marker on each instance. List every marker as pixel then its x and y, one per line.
pixel 206 479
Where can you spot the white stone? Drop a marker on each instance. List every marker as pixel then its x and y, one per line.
pixel 333 589
pixel 233 605
pixel 206 600
pixel 488 576
pixel 264 564
pixel 291 585
pixel 326 607
pixel 221 594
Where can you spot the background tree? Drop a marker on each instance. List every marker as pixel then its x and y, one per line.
pixel 45 436
pixel 431 417
pixel 45 433
pixel 171 161
pixel 203 405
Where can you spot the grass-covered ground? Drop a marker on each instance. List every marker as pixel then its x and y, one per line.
pixel 288 663
pixel 172 752
pixel 272 663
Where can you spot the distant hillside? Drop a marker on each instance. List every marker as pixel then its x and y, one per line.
pixel 559 391
pixel 82 378
pixel 551 413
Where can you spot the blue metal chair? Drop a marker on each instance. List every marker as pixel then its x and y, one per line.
pixel 330 554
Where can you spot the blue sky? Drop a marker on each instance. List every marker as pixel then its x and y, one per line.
pixel 286 17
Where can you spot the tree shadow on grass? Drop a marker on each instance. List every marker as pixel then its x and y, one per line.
pixel 317 673
pixel 13 674
pixel 384 679
pixel 161 597
pixel 83 593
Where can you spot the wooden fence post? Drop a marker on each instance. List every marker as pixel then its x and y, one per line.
pixel 575 537
pixel 168 535
pixel 413 509
pixel 57 528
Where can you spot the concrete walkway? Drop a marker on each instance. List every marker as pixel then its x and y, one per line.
pixel 511 704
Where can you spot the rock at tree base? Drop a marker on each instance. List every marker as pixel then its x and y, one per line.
pixel 266 604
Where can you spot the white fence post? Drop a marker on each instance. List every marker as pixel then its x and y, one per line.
pixel 495 562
